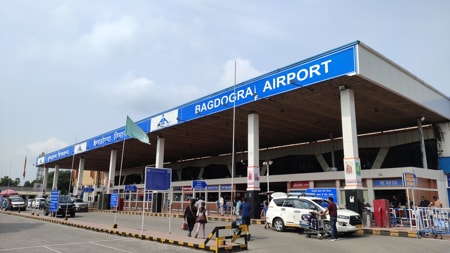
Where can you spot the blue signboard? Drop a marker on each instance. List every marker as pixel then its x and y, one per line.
pixel 199 184
pixel 88 189
pixel 225 187
pixel 157 179
pixel 323 193
pixel 409 179
pixel 388 182
pixel 212 187
pixel 114 200
pixel 130 188
pixel 54 201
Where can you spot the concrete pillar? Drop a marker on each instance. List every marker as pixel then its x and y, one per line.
pixel 352 163
pixel 159 162
pixel 44 181
pixel 253 173
pixel 112 171
pixel 79 187
pixel 55 178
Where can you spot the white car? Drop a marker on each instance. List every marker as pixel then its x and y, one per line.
pixel 288 211
pixel 38 203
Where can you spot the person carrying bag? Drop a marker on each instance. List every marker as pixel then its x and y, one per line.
pixel 189 216
pixel 201 219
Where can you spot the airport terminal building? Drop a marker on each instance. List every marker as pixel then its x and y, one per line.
pixel 347 122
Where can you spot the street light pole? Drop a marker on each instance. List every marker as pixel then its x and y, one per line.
pixel 268 163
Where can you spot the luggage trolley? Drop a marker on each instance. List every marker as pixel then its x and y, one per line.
pixel 313 225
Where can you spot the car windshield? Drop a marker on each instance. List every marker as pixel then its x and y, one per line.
pixel 65 199
pixel 78 200
pixel 18 199
pixel 321 202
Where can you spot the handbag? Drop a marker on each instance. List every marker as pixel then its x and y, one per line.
pixel 184 226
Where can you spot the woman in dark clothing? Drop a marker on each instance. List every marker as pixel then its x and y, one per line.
pixel 189 216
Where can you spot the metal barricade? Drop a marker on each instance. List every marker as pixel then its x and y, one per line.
pixel 432 222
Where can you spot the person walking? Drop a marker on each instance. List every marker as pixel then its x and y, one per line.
pixel 222 205
pixel 332 211
pixel 202 215
pixel 189 216
pixel 245 212
pixel 238 211
pixel 264 212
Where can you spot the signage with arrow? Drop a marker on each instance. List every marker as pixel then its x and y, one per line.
pixel 199 184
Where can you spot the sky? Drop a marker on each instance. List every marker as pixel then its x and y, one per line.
pixel 71 70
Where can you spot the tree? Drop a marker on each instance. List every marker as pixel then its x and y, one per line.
pixel 7 181
pixel 28 184
pixel 63 184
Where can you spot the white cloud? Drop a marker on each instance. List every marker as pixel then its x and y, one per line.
pixel 244 71
pixel 45 146
pixel 108 36
pixel 143 95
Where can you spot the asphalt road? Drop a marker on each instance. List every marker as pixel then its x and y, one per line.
pixel 18 234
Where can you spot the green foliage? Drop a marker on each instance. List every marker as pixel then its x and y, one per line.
pixel 7 181
pixel 63 181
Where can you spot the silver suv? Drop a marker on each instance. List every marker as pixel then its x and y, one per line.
pixel 286 211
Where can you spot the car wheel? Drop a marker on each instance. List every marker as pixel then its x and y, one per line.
pixel 278 224
pixel 327 228
pixel 72 214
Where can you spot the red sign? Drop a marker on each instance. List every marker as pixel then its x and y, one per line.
pixel 300 185
pixel 187 188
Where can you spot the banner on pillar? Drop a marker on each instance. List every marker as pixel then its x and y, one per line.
pixel 253 178
pixel 352 169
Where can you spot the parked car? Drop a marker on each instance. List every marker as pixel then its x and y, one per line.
pixel 65 207
pixel 80 205
pixel 18 203
pixel 39 203
pixel 288 211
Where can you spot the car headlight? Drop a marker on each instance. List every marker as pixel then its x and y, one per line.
pixel 343 217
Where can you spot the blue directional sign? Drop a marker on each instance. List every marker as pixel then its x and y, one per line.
pixel 199 184
pixel 324 193
pixel 88 189
pixel 54 201
pixel 114 200
pixel 157 179
pixel 130 188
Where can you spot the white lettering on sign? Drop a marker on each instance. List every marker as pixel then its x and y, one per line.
pixel 63 153
pixel 102 141
pixel 224 100
pixel 300 75
pixel 119 135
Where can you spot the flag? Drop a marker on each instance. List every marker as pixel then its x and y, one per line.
pixel 24 167
pixel 134 131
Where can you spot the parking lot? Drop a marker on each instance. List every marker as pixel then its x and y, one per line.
pixel 42 236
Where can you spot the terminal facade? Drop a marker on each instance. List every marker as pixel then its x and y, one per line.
pixel 349 121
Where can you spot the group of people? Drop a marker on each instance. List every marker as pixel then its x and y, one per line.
pixel 197 213
pixel 426 203
pixel 436 202
pixel 7 205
